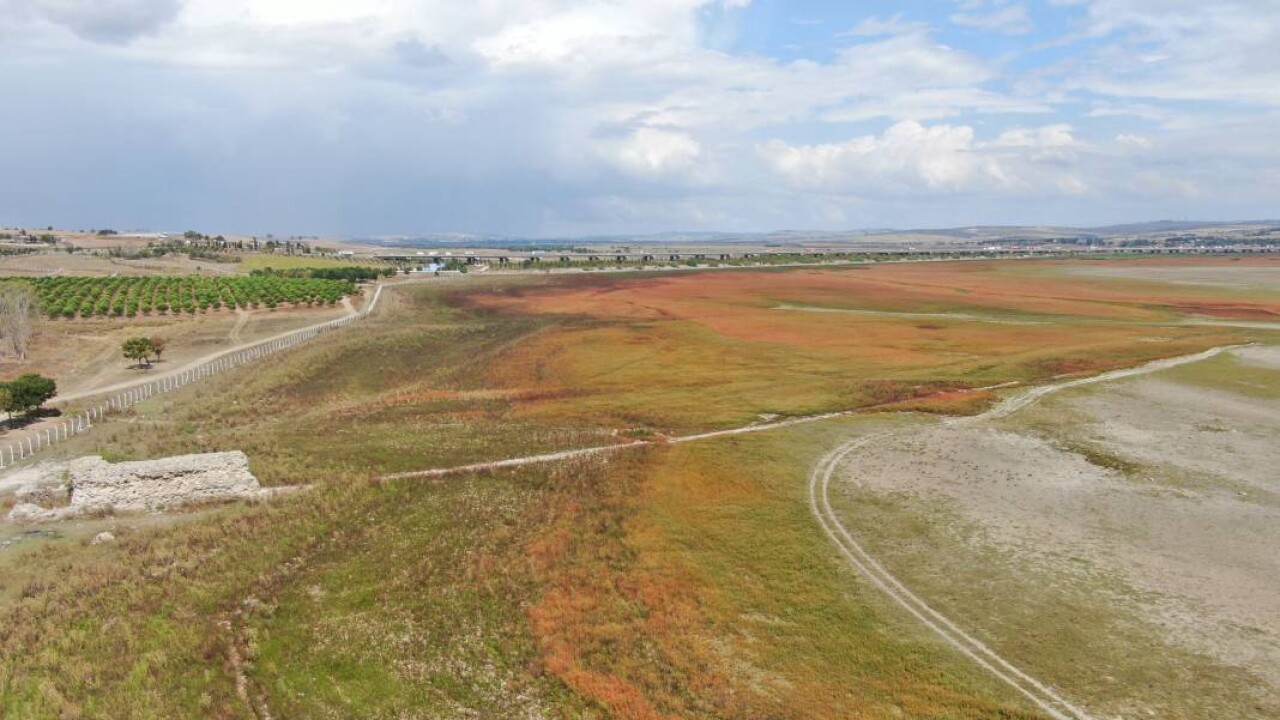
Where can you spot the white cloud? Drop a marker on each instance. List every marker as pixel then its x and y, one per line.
pixel 907 157
pixel 911 158
pixel 1050 137
pixel 1180 50
pixel 651 152
pixel 893 25
pixel 590 33
pixel 935 104
pixel 636 111
pixel 1134 141
pixel 1008 19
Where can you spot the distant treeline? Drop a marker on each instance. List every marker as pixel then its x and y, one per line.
pixel 353 274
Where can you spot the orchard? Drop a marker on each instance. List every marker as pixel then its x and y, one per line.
pixel 70 297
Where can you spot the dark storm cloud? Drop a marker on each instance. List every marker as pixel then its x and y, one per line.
pixel 105 21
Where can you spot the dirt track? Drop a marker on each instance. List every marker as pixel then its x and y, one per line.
pixel 118 387
pixel 820 478
pixel 1205 550
pixel 1040 694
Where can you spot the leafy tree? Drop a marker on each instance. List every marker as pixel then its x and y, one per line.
pixel 138 349
pixel 28 393
pixel 157 345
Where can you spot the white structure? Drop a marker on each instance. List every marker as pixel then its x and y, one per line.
pixel 95 485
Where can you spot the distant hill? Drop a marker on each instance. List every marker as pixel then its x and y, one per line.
pixel 815 237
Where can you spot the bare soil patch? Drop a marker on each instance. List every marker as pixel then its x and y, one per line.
pixel 1238 275
pixel 1150 498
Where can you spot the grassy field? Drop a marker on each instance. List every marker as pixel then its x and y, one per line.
pixel 261 261
pixel 60 264
pixel 687 351
pixel 684 581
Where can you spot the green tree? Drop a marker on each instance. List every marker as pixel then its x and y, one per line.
pixel 138 349
pixel 28 393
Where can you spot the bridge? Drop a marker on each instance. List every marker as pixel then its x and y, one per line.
pixel 553 259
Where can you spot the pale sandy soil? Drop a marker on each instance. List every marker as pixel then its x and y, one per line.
pixel 85 355
pixel 1263 356
pixel 1242 277
pixel 79 264
pixel 1154 484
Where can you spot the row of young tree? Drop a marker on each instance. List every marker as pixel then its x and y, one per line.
pixel 70 297
pixel 354 273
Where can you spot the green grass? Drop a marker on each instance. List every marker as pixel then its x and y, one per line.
pixel 685 581
pixel 784 608
pixel 1230 374
pixel 412 611
pixel 432 600
pixel 402 391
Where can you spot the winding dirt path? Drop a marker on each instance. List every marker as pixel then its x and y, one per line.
pixel 197 362
pixel 1040 694
pixel 242 319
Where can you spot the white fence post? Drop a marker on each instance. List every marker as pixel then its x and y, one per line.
pixel 84 421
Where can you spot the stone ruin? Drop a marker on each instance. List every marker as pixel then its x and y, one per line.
pixel 91 485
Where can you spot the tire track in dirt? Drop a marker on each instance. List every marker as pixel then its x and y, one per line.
pixel 1043 697
pixel 1040 694
pixel 242 319
pixel 1027 398
pixel 196 362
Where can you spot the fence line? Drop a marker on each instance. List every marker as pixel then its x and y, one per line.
pixel 83 421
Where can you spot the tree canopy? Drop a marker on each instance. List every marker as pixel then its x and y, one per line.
pixel 28 393
pixel 138 349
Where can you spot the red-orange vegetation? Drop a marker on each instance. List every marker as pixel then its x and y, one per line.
pixel 713 349
pixel 948 402
pixel 617 630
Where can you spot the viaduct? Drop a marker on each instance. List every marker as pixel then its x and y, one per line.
pixel 506 257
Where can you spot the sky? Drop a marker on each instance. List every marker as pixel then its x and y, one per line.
pixel 555 118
